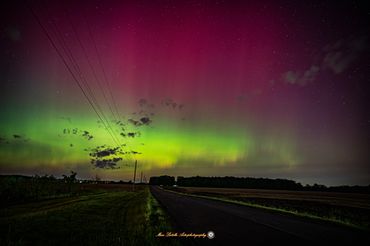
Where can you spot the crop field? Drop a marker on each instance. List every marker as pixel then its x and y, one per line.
pixel 346 208
pixel 100 214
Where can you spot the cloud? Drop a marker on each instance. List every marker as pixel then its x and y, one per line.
pixel 301 78
pixel 340 55
pixel 168 102
pixel 336 57
pixel 105 164
pixel 143 102
pixel 309 75
pixel 134 122
pixel 145 120
pixel 133 134
pixel 87 135
pixel 103 151
pixel 20 137
pixel 290 77
pixel 105 157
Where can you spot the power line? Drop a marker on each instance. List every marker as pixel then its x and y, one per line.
pixel 73 61
pixel 94 74
pixel 102 68
pixel 68 68
pixel 88 91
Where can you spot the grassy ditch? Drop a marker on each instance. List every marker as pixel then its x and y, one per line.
pixel 107 217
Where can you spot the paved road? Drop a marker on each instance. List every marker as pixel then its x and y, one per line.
pixel 241 225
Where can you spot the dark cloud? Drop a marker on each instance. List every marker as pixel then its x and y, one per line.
pixel 135 153
pixel 107 163
pixel 75 131
pixel 105 156
pixel 20 137
pixel 168 102
pixel 145 120
pixel 108 157
pixel 133 134
pixel 142 121
pixel 120 123
pixel 87 135
pixel 134 122
pixel 103 151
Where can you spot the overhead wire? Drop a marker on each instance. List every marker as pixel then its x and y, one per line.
pixel 102 68
pixel 86 83
pixel 97 80
pixel 91 67
pixel 86 91
pixel 75 79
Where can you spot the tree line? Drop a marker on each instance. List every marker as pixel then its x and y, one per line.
pixel 250 183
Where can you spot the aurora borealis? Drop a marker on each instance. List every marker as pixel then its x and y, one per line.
pixel 267 89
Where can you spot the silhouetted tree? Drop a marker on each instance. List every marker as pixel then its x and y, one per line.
pixel 71 178
pixel 162 180
pixel 234 182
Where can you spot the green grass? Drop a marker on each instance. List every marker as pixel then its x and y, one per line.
pixel 159 222
pixel 287 209
pixel 104 218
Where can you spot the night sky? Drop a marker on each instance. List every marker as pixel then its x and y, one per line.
pixel 213 88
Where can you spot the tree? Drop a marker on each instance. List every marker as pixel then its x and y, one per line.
pixel 162 180
pixel 71 178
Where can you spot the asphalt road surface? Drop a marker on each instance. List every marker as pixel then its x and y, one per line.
pixel 235 224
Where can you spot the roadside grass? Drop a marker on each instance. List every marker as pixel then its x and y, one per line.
pixel 159 222
pixel 357 218
pixel 111 217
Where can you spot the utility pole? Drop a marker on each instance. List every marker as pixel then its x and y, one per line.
pixel 133 184
pixel 141 177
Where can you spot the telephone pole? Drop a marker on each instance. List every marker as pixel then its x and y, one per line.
pixel 133 184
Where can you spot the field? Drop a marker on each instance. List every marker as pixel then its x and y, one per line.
pixel 346 208
pixel 99 214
